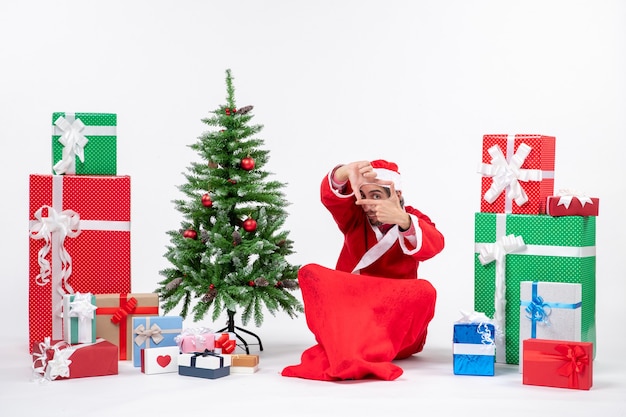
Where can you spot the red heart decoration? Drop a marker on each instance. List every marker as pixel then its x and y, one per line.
pixel 164 360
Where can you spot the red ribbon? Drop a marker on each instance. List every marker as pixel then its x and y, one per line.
pixel 225 343
pixel 124 310
pixel 120 316
pixel 574 359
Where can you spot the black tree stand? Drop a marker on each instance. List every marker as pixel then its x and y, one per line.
pixel 230 327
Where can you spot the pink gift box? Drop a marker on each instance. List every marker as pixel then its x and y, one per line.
pixel 195 340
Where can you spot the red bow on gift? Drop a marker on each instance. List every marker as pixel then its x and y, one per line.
pixel 225 343
pixel 576 361
pixel 124 310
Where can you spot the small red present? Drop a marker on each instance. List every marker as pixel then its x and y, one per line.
pixel 57 359
pixel 518 173
pixel 572 203
pixel 558 363
pixel 225 343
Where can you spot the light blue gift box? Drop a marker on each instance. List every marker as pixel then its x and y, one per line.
pixel 474 350
pixel 154 331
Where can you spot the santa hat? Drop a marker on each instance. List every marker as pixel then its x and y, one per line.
pixel 387 171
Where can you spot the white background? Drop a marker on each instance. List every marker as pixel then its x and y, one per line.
pixel 416 82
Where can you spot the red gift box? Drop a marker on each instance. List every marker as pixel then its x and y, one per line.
pixel 80 242
pixel 570 204
pixel 558 363
pixel 225 343
pixel 518 173
pixel 57 359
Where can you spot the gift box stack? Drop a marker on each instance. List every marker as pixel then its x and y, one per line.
pixel 79 253
pixel 206 354
pixel 534 266
pixel 79 246
pixel 83 316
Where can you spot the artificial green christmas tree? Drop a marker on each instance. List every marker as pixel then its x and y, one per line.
pixel 230 253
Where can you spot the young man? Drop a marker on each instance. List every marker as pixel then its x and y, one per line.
pixel 382 237
pixel 361 319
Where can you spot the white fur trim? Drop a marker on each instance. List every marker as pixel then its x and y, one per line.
pixel 389 175
pixel 334 190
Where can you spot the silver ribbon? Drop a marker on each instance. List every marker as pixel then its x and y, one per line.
pixel 153 332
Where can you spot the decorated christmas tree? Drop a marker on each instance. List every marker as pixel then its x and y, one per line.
pixel 230 253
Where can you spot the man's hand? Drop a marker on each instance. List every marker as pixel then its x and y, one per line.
pixel 357 173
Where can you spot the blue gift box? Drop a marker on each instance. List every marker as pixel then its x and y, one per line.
pixel 207 365
pixel 474 349
pixel 154 331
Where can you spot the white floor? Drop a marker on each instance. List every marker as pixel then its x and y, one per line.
pixel 427 387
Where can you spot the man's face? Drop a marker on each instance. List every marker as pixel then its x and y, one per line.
pixel 373 192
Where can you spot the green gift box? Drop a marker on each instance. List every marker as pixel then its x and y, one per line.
pixel 511 248
pixel 84 143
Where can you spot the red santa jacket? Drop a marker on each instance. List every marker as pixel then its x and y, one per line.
pixel 394 256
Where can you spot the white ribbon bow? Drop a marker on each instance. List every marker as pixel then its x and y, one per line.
pixel 566 197
pixel 73 142
pixel 473 317
pixel 82 307
pixel 59 365
pixel 498 250
pixel 482 320
pixel 65 224
pixel 507 174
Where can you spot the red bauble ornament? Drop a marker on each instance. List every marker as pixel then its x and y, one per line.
pixel 211 286
pixel 206 200
pixel 249 225
pixel 232 181
pixel 251 283
pixel 190 234
pixel 247 163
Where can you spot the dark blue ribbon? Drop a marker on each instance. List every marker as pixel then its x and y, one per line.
pixel 538 311
pixel 206 353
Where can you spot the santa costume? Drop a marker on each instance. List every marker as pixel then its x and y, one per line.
pixel 372 308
